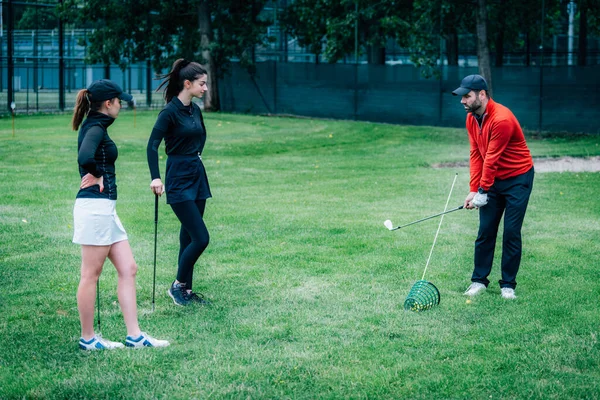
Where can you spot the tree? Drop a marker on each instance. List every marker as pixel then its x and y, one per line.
pixel 589 19
pixel 432 22
pixel 334 24
pixel 516 26
pixel 36 17
pixel 211 32
pixel 483 51
pixel 306 20
pixel 206 39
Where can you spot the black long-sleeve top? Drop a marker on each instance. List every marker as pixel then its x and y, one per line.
pixel 96 154
pixel 182 128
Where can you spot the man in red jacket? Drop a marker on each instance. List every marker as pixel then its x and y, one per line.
pixel 501 181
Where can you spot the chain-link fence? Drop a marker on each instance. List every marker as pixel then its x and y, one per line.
pixel 36 84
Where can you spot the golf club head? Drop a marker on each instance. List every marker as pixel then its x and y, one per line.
pixel 388 224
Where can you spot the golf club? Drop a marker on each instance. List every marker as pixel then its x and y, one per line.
pixel 388 224
pixel 155 233
pixel 98 303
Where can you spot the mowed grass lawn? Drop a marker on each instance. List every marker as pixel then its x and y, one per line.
pixel 307 284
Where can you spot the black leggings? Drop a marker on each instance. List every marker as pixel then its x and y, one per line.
pixel 193 237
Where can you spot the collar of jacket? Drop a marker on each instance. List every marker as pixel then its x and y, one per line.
pixel 180 106
pixel 489 111
pixel 98 117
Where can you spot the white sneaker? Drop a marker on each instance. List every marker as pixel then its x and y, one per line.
pixel 145 340
pixel 98 343
pixel 508 293
pixel 474 289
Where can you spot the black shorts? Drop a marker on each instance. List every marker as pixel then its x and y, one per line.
pixel 186 179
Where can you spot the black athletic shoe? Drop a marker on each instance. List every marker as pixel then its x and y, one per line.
pixel 197 298
pixel 178 293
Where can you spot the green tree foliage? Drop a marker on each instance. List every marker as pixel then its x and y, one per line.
pixel 35 17
pixel 512 26
pixel 427 28
pixel 589 22
pixel 434 21
pixel 306 20
pixel 328 27
pixel 210 32
pixel 516 26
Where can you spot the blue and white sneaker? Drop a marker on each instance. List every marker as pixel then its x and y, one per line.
pixel 145 340
pixel 98 343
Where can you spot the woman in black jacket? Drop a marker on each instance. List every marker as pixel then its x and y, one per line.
pixel 181 126
pixel 97 227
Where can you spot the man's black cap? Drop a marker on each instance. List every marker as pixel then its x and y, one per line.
pixel 471 82
pixel 105 89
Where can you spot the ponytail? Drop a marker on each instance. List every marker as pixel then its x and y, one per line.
pixel 83 106
pixel 181 71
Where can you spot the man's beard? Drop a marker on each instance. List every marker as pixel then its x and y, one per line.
pixel 474 107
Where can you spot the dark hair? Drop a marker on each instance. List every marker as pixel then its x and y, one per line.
pixel 182 70
pixel 83 106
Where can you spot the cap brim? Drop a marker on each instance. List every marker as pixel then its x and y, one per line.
pixel 461 91
pixel 125 96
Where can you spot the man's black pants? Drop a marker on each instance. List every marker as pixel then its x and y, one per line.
pixel 509 197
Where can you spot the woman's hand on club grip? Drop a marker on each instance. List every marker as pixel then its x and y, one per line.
pixel 157 187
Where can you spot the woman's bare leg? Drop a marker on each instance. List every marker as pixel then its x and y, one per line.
pixel 122 258
pixel 92 261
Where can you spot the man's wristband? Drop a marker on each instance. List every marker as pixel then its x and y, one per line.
pixel 481 191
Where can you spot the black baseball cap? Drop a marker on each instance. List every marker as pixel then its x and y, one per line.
pixel 471 82
pixel 105 89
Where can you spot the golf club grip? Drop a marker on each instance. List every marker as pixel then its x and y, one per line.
pixel 156 209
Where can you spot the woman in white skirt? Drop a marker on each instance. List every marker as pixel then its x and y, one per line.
pixel 97 227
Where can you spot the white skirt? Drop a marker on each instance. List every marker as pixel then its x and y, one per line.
pixel 96 223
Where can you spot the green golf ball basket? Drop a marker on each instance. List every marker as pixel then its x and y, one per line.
pixel 422 296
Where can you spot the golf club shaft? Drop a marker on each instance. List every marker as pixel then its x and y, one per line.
pixel 98 302
pixel 432 216
pixel 155 234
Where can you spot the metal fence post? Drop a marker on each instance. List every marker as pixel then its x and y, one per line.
pixel 11 62
pixel 275 86
pixel 148 83
pixel 356 90
pixel 541 68
pixel 61 64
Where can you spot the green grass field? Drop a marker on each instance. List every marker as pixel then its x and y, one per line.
pixel 307 284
